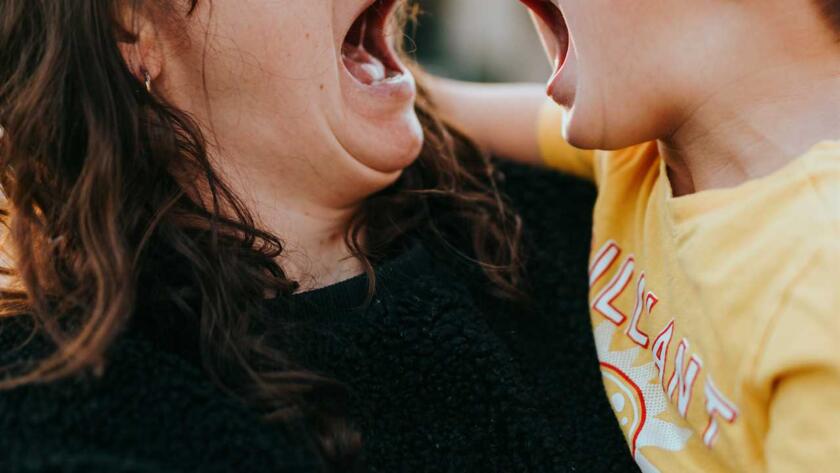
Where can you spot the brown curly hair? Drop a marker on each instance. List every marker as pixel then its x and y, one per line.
pixel 113 211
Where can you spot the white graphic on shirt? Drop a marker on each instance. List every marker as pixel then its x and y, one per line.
pixel 637 398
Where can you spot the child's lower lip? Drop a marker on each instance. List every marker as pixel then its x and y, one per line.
pixel 553 87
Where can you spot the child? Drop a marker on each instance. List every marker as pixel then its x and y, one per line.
pixel 714 299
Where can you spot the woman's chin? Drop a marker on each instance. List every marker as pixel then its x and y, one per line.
pixel 386 147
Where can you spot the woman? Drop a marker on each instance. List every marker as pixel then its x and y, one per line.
pixel 238 241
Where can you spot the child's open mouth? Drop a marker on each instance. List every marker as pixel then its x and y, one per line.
pixel 367 53
pixel 554 31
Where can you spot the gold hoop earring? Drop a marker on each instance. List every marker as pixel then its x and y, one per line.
pixel 147 81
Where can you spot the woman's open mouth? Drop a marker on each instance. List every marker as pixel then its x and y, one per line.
pixel 367 52
pixel 553 29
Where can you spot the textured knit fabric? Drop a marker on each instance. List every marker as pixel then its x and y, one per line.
pixel 442 375
pixel 151 412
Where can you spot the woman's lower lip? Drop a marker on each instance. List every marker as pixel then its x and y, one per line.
pixel 397 88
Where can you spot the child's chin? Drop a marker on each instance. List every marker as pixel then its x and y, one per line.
pixel 581 132
pixel 608 132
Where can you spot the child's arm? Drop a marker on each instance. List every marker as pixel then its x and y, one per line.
pixel 500 118
pixel 514 121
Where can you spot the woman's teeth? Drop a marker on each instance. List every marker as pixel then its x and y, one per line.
pixel 362 65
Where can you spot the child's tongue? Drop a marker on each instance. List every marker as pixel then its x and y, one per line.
pixel 364 66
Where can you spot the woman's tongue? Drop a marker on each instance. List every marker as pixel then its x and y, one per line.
pixel 366 68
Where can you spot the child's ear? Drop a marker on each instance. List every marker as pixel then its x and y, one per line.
pixel 139 42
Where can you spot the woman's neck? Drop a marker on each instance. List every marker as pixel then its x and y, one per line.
pixel 755 125
pixel 315 253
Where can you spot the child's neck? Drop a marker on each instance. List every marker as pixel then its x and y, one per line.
pixel 755 126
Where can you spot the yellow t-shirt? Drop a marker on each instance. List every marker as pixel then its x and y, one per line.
pixel 716 315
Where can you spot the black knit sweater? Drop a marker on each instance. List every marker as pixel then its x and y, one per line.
pixel 442 376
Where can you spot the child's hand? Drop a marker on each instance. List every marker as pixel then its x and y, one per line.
pixel 500 118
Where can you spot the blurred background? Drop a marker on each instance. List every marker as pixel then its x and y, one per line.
pixel 483 40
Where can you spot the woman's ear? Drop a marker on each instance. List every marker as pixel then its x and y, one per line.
pixel 139 42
